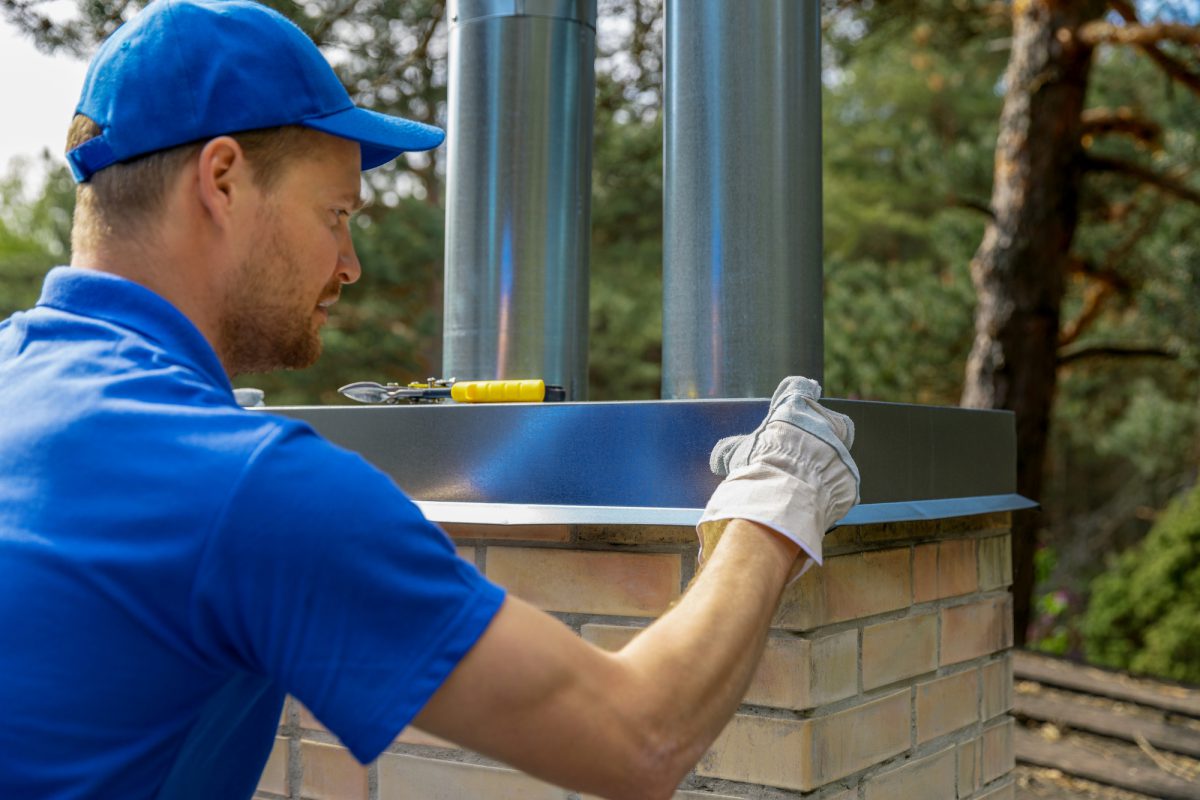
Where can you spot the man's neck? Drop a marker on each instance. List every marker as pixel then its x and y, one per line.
pixel 163 272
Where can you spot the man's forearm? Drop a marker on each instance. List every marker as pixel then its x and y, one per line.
pixel 629 724
pixel 693 665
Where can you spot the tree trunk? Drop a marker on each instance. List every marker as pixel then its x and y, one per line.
pixel 1019 269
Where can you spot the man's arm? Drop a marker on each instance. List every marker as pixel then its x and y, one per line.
pixel 629 724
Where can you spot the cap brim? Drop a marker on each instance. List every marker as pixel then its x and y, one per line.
pixel 381 137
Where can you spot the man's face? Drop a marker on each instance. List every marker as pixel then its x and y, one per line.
pixel 300 256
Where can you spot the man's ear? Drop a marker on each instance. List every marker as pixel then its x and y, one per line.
pixel 224 181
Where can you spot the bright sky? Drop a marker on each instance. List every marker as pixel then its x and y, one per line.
pixel 37 94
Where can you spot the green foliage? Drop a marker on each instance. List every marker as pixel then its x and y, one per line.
pixel 1126 431
pixel 625 352
pixel 1144 613
pixel 35 229
pixel 909 126
pixel 625 297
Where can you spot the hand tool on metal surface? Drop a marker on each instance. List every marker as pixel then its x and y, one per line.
pixel 438 390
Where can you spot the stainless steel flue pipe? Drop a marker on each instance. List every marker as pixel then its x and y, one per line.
pixel 518 201
pixel 742 185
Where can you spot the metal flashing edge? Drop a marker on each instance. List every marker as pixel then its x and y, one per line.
pixel 863 514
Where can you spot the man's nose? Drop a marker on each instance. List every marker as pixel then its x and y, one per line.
pixel 349 269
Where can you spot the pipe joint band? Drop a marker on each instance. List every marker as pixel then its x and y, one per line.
pixel 461 12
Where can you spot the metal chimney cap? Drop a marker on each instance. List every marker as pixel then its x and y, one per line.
pixel 463 11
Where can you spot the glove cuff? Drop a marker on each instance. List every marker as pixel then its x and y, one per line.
pixel 774 499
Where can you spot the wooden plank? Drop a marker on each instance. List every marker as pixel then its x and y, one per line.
pixel 1135 772
pixel 1057 672
pixel 1163 735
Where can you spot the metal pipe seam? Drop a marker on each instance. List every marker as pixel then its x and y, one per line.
pixel 461 12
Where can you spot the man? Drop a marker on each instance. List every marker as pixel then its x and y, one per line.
pixel 171 566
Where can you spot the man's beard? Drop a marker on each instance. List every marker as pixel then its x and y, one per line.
pixel 267 324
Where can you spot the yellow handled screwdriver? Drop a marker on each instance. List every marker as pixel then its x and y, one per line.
pixel 437 390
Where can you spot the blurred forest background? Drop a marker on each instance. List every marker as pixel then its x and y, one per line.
pixel 1085 319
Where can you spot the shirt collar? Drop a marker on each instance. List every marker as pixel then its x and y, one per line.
pixel 122 302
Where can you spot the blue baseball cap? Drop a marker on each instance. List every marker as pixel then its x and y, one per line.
pixel 188 70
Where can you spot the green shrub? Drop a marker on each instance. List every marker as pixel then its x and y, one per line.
pixel 1144 614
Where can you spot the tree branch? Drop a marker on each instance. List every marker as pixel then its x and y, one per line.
pixel 1173 67
pixel 1115 351
pixel 1106 275
pixel 955 201
pixel 1171 184
pixel 326 25
pixel 1123 120
pixel 421 53
pixel 1093 303
pixel 1100 32
pixel 1107 280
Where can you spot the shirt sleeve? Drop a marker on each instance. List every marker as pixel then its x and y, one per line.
pixel 325 577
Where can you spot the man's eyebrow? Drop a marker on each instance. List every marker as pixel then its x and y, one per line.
pixel 354 199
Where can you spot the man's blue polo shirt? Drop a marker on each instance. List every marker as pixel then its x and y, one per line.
pixel 172 565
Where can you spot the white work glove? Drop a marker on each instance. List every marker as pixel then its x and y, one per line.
pixel 793 474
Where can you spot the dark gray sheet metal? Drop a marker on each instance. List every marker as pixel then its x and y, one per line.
pixel 647 462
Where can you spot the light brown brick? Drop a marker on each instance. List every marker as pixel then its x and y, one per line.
pixel 793 673
pixel 929 778
pixel 307 719
pixel 803 673
pixel 947 704
pixel 995 562
pixel 968 767
pixel 848 587
pixel 629 584
pixel 636 534
pixel 1006 792
pixel 925 529
pixel 764 750
pixel 466 553
pixel 805 754
pixel 609 637
pixel 997 757
pixel 899 649
pixel 834 669
pixel 850 740
pixel 508 533
pixel 997 687
pixel 411 735
pixel 686 794
pixel 976 629
pixel 849 794
pixel 331 773
pixel 893 531
pixel 274 774
pixel 944 569
pixel 925 573
pixel 864 584
pixel 957 568
pixel 405 777
pixel 839 540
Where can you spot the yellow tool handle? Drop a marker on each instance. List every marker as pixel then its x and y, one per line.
pixel 498 391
